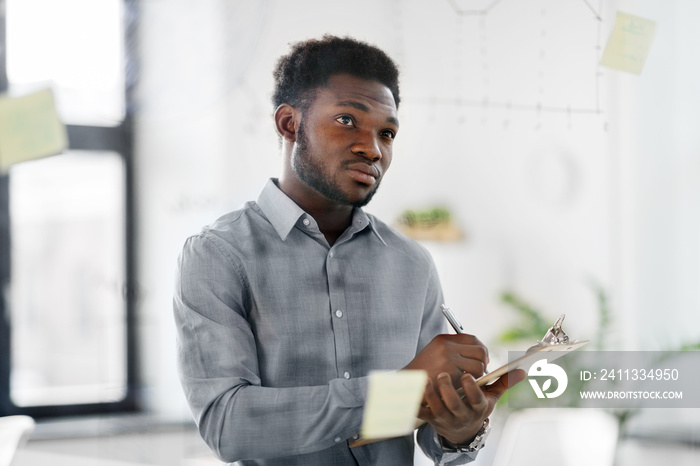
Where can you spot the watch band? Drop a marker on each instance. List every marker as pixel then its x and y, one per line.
pixel 475 445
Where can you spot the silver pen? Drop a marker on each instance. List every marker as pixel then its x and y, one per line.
pixel 449 315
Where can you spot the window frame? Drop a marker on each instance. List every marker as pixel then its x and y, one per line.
pixel 118 139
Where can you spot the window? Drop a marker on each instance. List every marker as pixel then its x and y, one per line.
pixel 66 221
pixel 77 47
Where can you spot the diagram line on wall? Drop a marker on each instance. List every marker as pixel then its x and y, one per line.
pixel 501 105
pixel 597 15
pixel 485 102
pixel 485 11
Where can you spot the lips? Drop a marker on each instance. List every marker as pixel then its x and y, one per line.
pixel 364 173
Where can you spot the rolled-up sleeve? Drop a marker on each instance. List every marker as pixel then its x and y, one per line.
pixel 218 366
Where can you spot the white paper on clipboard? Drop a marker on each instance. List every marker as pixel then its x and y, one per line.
pixel 528 359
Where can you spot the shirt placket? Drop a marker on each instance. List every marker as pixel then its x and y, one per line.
pixel 339 314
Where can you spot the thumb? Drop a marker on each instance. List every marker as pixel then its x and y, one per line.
pixel 499 387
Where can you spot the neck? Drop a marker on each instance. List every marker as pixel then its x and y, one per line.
pixel 332 218
pixel 332 223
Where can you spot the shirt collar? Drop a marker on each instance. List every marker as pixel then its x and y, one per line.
pixel 283 213
pixel 360 221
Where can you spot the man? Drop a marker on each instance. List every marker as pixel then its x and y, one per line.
pixel 284 306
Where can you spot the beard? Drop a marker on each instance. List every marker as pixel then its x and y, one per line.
pixel 311 173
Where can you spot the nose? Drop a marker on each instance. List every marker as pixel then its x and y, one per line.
pixel 367 145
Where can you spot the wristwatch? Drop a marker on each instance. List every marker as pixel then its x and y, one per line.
pixel 475 445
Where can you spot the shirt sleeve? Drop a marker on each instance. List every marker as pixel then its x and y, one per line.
pixel 433 324
pixel 429 443
pixel 218 367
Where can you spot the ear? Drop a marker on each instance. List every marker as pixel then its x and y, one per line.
pixel 287 122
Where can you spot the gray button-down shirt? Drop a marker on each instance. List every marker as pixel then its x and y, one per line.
pixel 277 332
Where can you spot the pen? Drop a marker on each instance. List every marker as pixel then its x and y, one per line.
pixel 449 315
pixel 452 319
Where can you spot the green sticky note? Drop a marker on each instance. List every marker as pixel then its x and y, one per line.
pixel 629 43
pixel 29 128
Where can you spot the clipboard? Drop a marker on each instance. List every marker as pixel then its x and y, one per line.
pixel 552 346
pixel 533 354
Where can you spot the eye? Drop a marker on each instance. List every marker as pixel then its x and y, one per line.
pixel 345 120
pixel 387 133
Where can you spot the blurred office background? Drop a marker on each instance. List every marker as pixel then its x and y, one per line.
pixel 570 182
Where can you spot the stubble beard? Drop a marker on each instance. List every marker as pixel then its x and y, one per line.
pixel 312 174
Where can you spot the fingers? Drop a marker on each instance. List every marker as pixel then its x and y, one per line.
pixel 497 388
pixel 474 397
pixel 463 354
pixel 469 347
pixel 476 351
pixel 469 366
pixel 452 416
pixel 514 377
pixel 431 403
pixel 456 417
pixel 452 401
pixel 453 354
pixel 443 401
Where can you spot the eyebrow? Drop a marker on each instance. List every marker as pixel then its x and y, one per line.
pixel 364 108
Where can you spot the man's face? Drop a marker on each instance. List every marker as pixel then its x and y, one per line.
pixel 344 140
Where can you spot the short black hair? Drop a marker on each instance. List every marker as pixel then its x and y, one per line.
pixel 311 63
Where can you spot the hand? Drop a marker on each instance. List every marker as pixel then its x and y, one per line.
pixel 455 355
pixel 457 419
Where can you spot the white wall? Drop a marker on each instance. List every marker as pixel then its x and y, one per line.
pixel 600 183
pixel 657 147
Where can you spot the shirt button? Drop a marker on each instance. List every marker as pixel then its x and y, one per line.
pixel 355 437
pixel 339 313
pixel 306 222
pixel 337 439
pixel 346 375
pixel 330 254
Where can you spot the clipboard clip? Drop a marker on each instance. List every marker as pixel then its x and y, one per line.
pixel 554 336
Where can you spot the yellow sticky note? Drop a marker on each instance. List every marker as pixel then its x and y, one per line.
pixel 629 43
pixel 392 403
pixel 29 128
